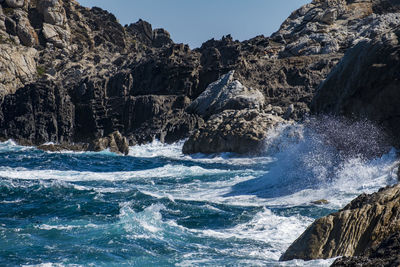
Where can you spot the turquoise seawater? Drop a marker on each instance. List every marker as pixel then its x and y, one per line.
pixel 157 207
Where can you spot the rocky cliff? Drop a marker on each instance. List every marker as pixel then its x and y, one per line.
pixel 70 74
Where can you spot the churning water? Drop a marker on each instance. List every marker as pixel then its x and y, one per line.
pixel 157 207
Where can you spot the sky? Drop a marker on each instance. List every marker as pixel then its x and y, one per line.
pixel 196 21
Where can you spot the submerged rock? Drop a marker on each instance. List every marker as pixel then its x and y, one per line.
pixel 239 131
pixel 363 224
pixel 320 202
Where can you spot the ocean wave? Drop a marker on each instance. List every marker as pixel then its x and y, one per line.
pixel 175 171
pixel 307 168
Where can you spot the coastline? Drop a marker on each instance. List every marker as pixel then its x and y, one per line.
pixel 86 85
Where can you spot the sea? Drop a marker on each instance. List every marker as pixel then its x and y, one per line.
pixel 158 207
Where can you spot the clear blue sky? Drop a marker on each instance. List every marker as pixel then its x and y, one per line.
pixel 196 21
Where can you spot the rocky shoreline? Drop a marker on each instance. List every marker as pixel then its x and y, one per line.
pixel 75 77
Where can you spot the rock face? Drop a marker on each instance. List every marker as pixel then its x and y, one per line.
pixel 226 93
pixel 369 90
pixel 240 131
pixel 365 223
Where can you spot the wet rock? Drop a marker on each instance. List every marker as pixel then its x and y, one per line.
pixel 320 202
pixel 114 141
pixel 63 147
pixel 363 224
pixel 239 131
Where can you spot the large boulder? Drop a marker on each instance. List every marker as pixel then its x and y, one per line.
pixel 239 131
pixel 363 224
pixel 226 93
pixel 56 35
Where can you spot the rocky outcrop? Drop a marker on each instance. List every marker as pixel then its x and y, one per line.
pixel 239 131
pixel 331 26
pixel 365 84
pixel 365 223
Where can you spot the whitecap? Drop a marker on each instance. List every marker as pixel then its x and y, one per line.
pixel 169 170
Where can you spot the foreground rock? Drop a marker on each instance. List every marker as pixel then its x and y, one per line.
pixel 240 131
pixel 365 223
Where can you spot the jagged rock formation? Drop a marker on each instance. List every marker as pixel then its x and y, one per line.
pixel 70 74
pixel 363 224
